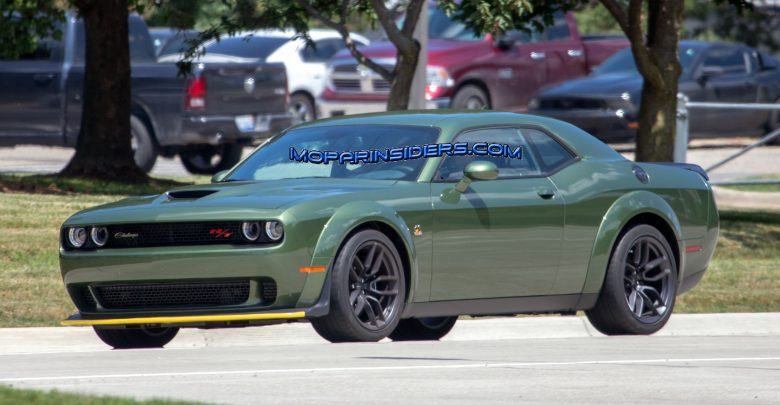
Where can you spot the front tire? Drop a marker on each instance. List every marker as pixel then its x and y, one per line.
pixel 136 338
pixel 302 108
pixel 423 328
pixel 209 159
pixel 471 97
pixel 640 287
pixel 367 291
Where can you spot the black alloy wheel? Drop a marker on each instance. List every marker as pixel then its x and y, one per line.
pixel 367 290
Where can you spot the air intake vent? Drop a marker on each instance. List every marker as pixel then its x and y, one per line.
pixel 166 295
pixel 190 194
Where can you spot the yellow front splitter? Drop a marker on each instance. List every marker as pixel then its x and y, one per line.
pixel 184 319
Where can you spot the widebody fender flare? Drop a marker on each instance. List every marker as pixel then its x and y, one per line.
pixel 617 216
pixel 341 224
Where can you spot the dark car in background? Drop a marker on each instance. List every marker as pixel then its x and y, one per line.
pixel 606 103
pixel 206 118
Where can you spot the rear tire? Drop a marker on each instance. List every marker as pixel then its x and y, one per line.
pixel 302 108
pixel 136 338
pixel 470 97
pixel 144 147
pixel 209 159
pixel 423 328
pixel 640 286
pixel 367 291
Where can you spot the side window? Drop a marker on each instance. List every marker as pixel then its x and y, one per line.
pixel 550 153
pixel 322 51
pixel 508 167
pixel 729 59
pixel 559 31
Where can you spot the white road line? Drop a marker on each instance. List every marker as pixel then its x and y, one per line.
pixel 386 368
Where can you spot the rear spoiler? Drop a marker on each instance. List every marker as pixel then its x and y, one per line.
pixel 687 166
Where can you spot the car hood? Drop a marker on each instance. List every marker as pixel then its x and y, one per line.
pixel 224 201
pixel 607 85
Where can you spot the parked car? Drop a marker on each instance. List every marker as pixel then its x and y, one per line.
pixel 206 118
pixel 606 103
pixel 169 41
pixel 398 248
pixel 305 62
pixel 469 71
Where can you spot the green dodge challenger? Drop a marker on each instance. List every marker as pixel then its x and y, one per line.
pixel 392 225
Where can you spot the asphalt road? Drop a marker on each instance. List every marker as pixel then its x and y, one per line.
pixel 551 360
pixel 758 162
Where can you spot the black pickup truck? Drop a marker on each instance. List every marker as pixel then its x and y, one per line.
pixel 206 118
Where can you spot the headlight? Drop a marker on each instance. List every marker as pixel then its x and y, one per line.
pixel 99 235
pixel 274 230
pixel 250 230
pixel 77 237
pixel 438 77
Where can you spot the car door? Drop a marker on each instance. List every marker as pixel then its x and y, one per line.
pixel 30 100
pixel 500 238
pixel 724 76
pixel 519 70
pixel 564 53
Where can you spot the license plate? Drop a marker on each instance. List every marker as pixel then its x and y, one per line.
pixel 245 123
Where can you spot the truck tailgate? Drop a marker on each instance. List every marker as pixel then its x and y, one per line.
pixel 250 88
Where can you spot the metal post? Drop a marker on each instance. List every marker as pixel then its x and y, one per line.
pixel 417 96
pixel 681 138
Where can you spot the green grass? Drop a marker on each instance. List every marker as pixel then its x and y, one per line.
pixel 759 187
pixel 12 396
pixel 744 275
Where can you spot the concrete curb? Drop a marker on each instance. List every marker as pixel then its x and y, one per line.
pixel 62 339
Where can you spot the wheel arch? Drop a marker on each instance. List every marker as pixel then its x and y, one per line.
pixel 477 83
pixel 345 222
pixel 638 207
pixel 309 95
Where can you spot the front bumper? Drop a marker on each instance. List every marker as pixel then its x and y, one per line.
pixel 216 129
pixel 606 125
pixel 297 294
pixel 333 108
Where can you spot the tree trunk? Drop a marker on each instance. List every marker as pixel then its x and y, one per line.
pixel 658 114
pixel 103 149
pixel 403 75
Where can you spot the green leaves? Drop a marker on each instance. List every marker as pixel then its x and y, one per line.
pixel 26 24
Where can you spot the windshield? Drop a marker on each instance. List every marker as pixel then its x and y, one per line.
pixel 623 61
pixel 440 26
pixel 272 161
pixel 246 46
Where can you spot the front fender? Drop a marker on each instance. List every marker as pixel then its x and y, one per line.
pixel 343 221
pixel 618 215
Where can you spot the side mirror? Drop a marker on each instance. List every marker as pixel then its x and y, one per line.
pixel 476 171
pixel 706 72
pixel 219 176
pixel 504 42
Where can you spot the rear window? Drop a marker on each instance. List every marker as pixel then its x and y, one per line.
pixel 141 46
pixel 246 46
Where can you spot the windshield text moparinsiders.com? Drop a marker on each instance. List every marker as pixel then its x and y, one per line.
pixel 407 153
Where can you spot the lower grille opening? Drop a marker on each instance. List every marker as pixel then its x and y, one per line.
pixel 268 291
pixel 163 295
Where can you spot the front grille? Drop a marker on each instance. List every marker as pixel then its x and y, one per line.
pixel 346 84
pixel 381 85
pixel 268 291
pixel 572 103
pixel 353 68
pixel 174 234
pixel 166 295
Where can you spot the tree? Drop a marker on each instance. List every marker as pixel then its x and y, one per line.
pixel 653 28
pixel 103 148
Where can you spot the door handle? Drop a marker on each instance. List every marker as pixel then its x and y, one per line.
pixel 43 78
pixel 574 53
pixel 538 55
pixel 546 194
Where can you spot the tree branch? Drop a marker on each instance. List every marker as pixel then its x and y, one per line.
pixel 341 27
pixel 617 12
pixel 403 43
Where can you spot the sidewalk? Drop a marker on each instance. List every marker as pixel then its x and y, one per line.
pixel 752 200
pixel 74 339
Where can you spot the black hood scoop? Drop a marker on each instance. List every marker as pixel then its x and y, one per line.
pixel 189 194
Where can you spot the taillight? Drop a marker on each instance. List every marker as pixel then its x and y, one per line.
pixel 195 98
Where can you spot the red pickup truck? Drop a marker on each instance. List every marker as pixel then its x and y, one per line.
pixel 469 71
